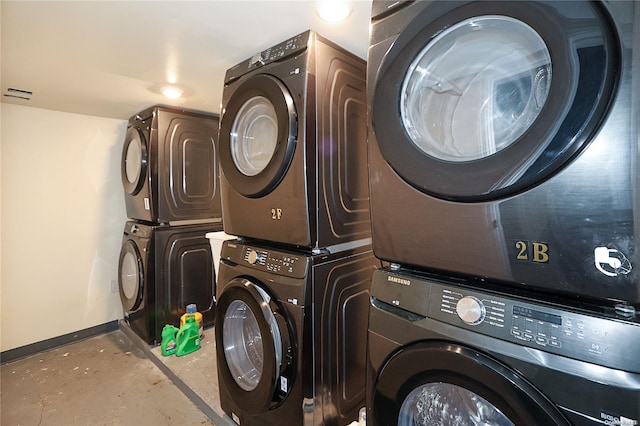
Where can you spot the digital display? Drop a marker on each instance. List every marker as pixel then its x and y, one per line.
pixel 537 315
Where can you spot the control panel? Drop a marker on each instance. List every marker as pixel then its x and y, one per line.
pixel 277 262
pixel 279 51
pixel 599 340
pixel 596 339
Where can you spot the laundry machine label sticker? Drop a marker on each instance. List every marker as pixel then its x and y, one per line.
pixel 146 204
pixel 611 262
pixel 613 420
pixel 284 384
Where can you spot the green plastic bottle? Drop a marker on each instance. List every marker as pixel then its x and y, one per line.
pixel 169 344
pixel 188 337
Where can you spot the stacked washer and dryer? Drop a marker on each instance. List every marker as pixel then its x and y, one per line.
pixel 503 150
pixel 170 177
pixel 293 288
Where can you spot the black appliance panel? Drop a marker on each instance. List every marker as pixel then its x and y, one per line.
pixel 169 166
pixel 582 336
pixel 313 145
pixel 320 302
pixel 567 224
pixel 467 338
pixel 185 271
pixel 340 314
pixel 161 270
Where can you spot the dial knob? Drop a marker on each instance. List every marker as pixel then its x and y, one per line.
pixel 470 310
pixel 257 59
pixel 253 256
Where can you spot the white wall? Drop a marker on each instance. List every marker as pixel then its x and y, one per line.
pixel 62 216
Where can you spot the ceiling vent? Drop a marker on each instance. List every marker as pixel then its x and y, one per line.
pixel 18 94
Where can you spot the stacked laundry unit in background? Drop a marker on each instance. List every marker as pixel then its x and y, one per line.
pixel 171 181
pixel 503 149
pixel 293 291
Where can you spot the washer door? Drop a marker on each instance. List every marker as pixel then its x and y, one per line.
pixel 258 132
pixel 253 347
pixel 440 383
pixel 480 100
pixel 134 161
pixel 130 277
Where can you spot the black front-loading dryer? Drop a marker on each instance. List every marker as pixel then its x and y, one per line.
pixel 162 269
pixel 504 140
pixel 291 334
pixel 445 353
pixel 169 166
pixel 293 145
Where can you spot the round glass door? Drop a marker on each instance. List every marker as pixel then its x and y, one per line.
pixel 250 344
pixel 134 160
pixel 478 101
pixel 434 382
pixel 476 88
pixel 243 348
pixel 131 276
pixel 258 133
pixel 254 135
pixel 448 404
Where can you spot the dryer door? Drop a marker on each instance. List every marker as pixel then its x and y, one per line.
pixel 134 160
pixel 480 100
pixel 253 346
pixel 130 277
pixel 440 383
pixel 258 132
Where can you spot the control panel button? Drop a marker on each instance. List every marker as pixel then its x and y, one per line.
pixel 470 310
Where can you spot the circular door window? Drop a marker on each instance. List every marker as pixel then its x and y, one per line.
pixel 254 135
pixel 258 131
pixel 443 383
pixel 477 101
pixel 448 404
pixel 243 349
pixel 131 276
pixel 251 337
pixel 134 160
pixel 476 88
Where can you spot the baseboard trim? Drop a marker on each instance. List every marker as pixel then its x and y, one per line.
pixel 55 342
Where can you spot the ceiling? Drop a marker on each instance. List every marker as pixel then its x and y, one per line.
pixel 110 58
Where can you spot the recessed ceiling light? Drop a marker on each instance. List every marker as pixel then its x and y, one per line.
pixel 333 10
pixel 172 92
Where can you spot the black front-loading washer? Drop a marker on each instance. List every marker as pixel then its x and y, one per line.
pixel 503 142
pixel 169 166
pixel 293 145
pixel 161 270
pixel 445 353
pixel 291 334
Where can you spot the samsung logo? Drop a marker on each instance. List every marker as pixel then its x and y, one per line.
pixel 398 280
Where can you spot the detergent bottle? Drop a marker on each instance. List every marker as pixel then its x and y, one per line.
pixel 169 344
pixel 188 337
pixel 193 312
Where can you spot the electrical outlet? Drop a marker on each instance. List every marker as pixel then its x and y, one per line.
pixel 114 286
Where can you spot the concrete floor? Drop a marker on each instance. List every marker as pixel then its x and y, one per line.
pixel 110 379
